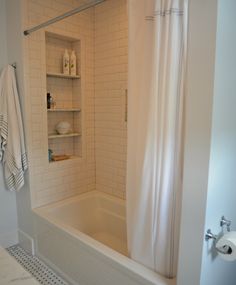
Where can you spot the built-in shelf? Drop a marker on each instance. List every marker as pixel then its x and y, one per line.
pixel 66 91
pixel 57 136
pixel 64 110
pixel 71 157
pixel 61 75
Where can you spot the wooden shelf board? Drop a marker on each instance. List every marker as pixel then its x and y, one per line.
pixel 61 75
pixel 64 110
pixel 57 136
pixel 71 157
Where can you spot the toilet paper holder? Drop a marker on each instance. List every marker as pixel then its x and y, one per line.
pixel 224 250
pixel 209 235
pixel 225 222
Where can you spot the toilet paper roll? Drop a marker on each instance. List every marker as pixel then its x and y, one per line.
pixel 227 241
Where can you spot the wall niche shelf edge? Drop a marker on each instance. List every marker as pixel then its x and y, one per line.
pixel 64 110
pixel 61 75
pixel 58 136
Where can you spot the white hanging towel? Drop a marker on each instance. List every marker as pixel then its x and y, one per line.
pixel 12 144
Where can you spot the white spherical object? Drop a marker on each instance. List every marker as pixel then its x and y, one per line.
pixel 63 128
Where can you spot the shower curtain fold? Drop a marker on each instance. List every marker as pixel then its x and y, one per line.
pixel 157 47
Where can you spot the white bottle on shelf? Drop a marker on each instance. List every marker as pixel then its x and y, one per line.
pixel 66 63
pixel 73 63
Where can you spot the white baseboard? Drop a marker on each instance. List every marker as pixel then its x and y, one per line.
pixel 8 239
pixel 26 242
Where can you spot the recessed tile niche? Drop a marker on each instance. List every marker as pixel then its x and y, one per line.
pixel 66 93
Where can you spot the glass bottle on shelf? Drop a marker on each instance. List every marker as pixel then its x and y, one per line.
pixel 66 63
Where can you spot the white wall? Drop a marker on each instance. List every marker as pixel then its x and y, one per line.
pixel 222 174
pixel 8 216
pixel 14 11
pixel 200 89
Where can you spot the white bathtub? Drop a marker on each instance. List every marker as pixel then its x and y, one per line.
pixel 84 238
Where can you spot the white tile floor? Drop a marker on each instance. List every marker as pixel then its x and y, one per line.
pixel 39 270
pixel 12 273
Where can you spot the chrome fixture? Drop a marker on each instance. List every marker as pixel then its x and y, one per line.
pixel 224 249
pixel 209 235
pixel 126 105
pixel 225 222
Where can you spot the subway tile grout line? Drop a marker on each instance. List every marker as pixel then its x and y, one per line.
pixel 38 269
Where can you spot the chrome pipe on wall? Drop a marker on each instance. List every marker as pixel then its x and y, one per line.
pixel 63 16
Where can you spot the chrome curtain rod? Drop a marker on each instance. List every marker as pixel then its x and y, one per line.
pixel 63 16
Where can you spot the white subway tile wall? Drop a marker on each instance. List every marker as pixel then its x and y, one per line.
pixel 55 181
pixel 103 34
pixel 111 60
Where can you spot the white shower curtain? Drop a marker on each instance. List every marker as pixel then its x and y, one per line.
pixel 157 45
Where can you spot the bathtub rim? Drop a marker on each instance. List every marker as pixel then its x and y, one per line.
pixel 138 269
pixel 81 196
